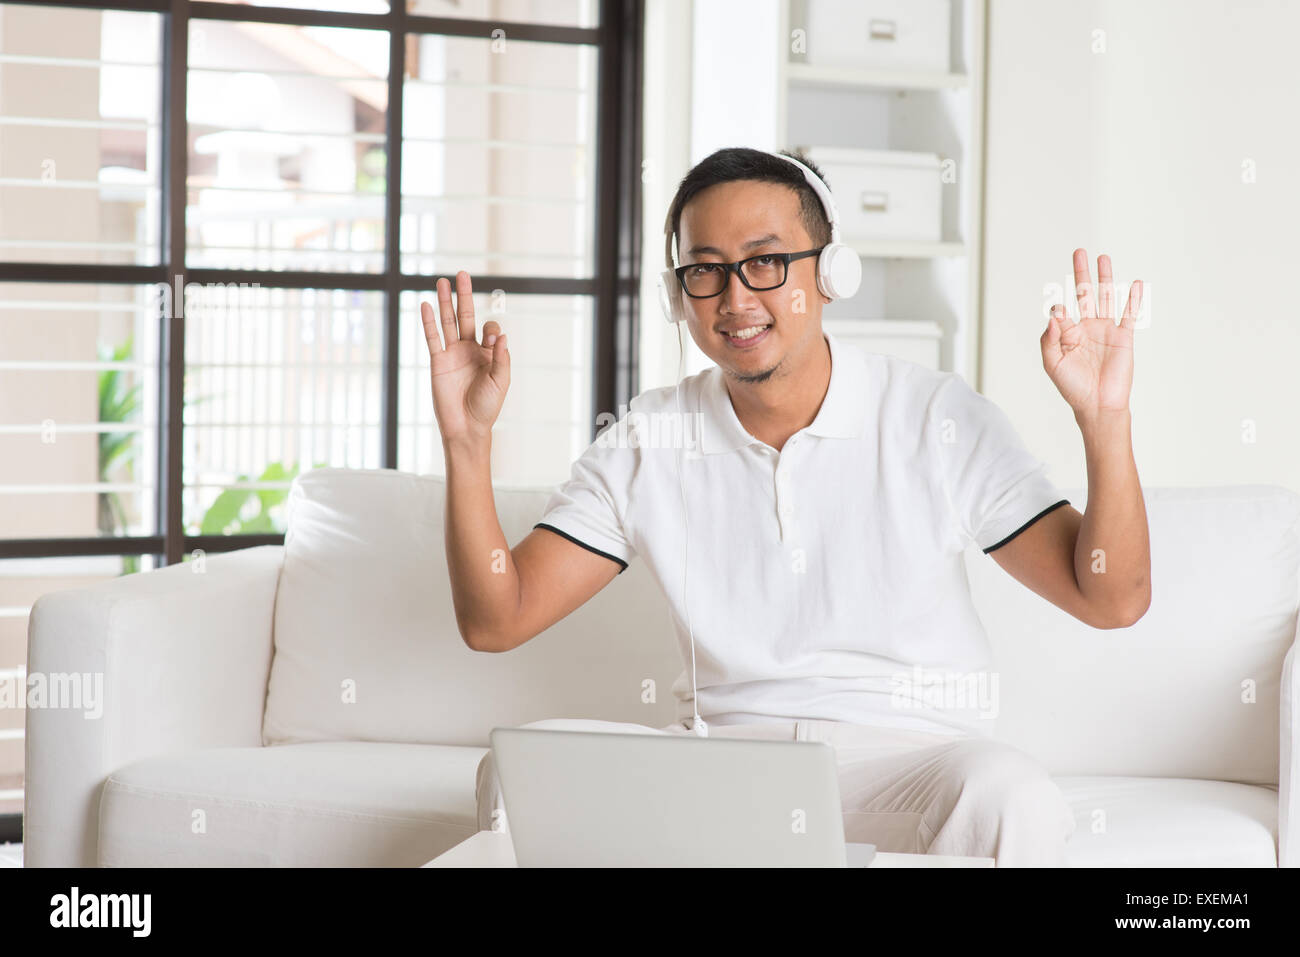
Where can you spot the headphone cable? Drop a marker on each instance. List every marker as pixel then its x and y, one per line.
pixel 698 725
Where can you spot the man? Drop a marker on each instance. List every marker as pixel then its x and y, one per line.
pixel 829 502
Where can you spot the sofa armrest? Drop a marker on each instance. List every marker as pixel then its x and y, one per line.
pixel 1288 767
pixel 181 657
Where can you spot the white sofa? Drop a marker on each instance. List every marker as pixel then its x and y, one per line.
pixel 313 704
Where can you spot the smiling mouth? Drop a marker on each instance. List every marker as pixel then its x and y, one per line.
pixel 748 332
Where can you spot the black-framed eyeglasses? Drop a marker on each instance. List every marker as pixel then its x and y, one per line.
pixel 760 273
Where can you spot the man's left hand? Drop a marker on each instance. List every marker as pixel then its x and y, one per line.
pixel 1091 361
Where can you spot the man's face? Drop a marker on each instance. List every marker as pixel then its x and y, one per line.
pixel 733 221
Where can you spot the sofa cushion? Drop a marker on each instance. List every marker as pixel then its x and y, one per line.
pixel 366 643
pixel 1170 822
pixel 1193 689
pixel 325 804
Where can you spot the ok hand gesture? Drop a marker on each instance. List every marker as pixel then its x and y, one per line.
pixel 469 379
pixel 1091 361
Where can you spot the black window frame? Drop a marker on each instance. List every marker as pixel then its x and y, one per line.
pixel 614 286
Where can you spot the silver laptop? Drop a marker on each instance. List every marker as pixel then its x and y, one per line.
pixel 598 799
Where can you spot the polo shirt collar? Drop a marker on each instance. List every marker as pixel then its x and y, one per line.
pixel 843 412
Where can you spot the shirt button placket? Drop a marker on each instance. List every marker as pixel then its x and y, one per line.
pixel 784 497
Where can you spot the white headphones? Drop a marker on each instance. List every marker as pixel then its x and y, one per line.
pixel 839 268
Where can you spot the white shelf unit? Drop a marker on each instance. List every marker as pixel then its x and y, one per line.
pixel 923 285
pixel 806 74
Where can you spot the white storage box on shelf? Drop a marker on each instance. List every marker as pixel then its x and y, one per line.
pixel 883 194
pixel 879 34
pixel 916 340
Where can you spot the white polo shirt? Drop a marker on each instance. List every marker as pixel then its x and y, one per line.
pixel 825 580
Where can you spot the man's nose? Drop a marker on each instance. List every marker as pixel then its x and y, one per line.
pixel 737 296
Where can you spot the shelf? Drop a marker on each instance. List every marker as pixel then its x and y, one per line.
pixel 806 74
pixel 905 249
pixel 848 104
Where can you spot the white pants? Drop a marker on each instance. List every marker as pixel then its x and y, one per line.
pixel 903 791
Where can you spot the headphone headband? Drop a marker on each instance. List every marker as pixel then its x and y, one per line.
pixel 824 194
pixel 818 187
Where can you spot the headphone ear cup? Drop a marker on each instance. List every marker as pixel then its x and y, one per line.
pixel 670 297
pixel 839 271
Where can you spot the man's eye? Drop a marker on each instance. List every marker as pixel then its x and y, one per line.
pixel 703 269
pixel 765 260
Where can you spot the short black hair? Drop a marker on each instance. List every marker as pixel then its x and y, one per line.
pixel 739 163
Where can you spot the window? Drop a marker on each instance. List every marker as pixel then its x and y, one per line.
pixel 217 220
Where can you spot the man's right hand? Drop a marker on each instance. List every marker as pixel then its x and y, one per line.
pixel 470 379
pixel 547 576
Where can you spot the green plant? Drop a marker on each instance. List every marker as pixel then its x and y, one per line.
pixel 117 404
pixel 372 171
pixel 230 513
pixel 120 404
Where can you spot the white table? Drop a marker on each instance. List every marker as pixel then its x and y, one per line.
pixel 493 849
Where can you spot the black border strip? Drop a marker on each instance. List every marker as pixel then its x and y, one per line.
pixel 1064 501
pixel 589 548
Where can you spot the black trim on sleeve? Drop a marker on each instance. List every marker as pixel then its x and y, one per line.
pixel 1064 501
pixel 589 548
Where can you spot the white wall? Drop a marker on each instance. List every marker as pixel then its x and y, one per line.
pixel 666 135
pixel 1138 152
pixel 734 75
pixel 710 82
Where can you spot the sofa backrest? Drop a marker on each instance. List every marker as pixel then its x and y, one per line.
pixel 366 643
pixel 1191 690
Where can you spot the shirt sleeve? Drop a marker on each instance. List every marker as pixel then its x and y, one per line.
pixel 994 486
pixel 588 508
